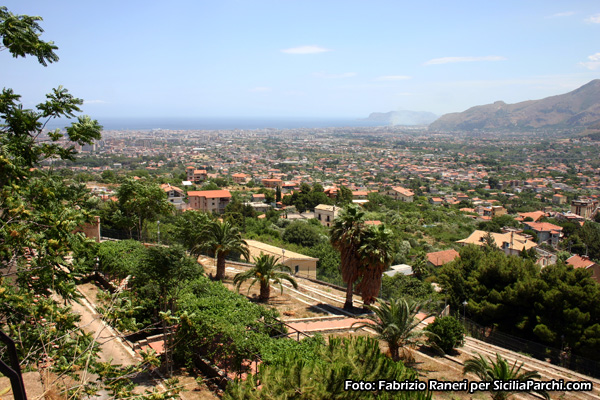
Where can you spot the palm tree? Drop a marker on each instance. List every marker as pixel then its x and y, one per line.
pixel 396 323
pixel 266 269
pixel 222 239
pixel 500 370
pixel 376 252
pixel 346 234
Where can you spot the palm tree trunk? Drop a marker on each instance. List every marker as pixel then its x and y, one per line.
pixel 348 303
pixel 220 275
pixel 265 292
pixel 394 351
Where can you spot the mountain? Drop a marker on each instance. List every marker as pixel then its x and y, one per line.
pixel 403 117
pixel 579 108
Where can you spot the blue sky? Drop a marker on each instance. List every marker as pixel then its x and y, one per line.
pixel 326 59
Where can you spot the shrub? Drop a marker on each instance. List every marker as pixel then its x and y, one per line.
pixel 450 333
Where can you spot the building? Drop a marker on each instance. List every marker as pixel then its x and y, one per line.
pixel 196 175
pixel 272 183
pixel 400 193
pixel 326 214
pixel 209 200
pixel 559 199
pixel 301 265
pixel 511 243
pixel 498 211
pixel 240 178
pixel 586 208
pixel 439 258
pixel 584 262
pixel 175 195
pixel 546 232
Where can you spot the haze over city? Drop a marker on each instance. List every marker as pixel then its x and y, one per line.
pixel 310 59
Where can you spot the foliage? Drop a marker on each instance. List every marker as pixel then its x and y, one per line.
pixel 221 239
pixel 346 235
pixel 322 377
pixel 220 325
pixel 265 270
pixel 376 254
pixel 302 233
pixel 395 323
pixel 501 370
pixel 142 201
pixel 401 285
pixel 450 333
pixel 307 198
pixel 512 294
pixel 39 215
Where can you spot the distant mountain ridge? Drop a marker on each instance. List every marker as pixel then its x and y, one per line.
pixel 579 108
pixel 403 117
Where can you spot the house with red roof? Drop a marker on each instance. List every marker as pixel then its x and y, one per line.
pixel 439 258
pixel 209 200
pixel 546 232
pixel 584 262
pixel 400 193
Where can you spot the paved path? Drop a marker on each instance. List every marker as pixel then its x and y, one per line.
pixel 111 346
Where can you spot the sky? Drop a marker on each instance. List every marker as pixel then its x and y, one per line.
pixel 313 59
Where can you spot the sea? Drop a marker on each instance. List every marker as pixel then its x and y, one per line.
pixel 154 123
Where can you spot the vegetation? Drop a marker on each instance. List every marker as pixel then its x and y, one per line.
pixel 221 239
pixel 500 369
pixel 558 305
pixel 346 234
pixel 396 323
pixel 265 270
pixel 322 376
pixel 449 333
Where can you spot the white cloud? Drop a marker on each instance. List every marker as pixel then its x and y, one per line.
pixel 594 19
pixel 95 102
pixel 448 60
pixel 261 89
pixel 562 14
pixel 393 78
pixel 305 50
pixel 593 63
pixel 335 76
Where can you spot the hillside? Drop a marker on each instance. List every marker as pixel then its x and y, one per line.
pixel 579 108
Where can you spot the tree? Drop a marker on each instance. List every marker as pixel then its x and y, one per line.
pixel 321 373
pixel 265 270
pixel 450 333
pixel 376 253
pixel 39 214
pixel 346 235
pixel 142 201
pixel 222 239
pixel 302 233
pixel 500 369
pixel 344 196
pixel 396 323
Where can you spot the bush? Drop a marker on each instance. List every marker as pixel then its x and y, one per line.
pixel 450 333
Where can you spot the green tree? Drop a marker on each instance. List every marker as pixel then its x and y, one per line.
pixel 396 324
pixel 221 239
pixel 377 253
pixel 141 202
pixel 346 236
pixel 322 376
pixel 344 196
pixel 500 369
pixel 302 233
pixel 266 269
pixel 449 331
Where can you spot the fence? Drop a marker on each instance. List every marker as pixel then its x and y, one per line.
pixel 536 350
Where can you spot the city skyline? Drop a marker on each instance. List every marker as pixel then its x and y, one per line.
pixel 306 59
